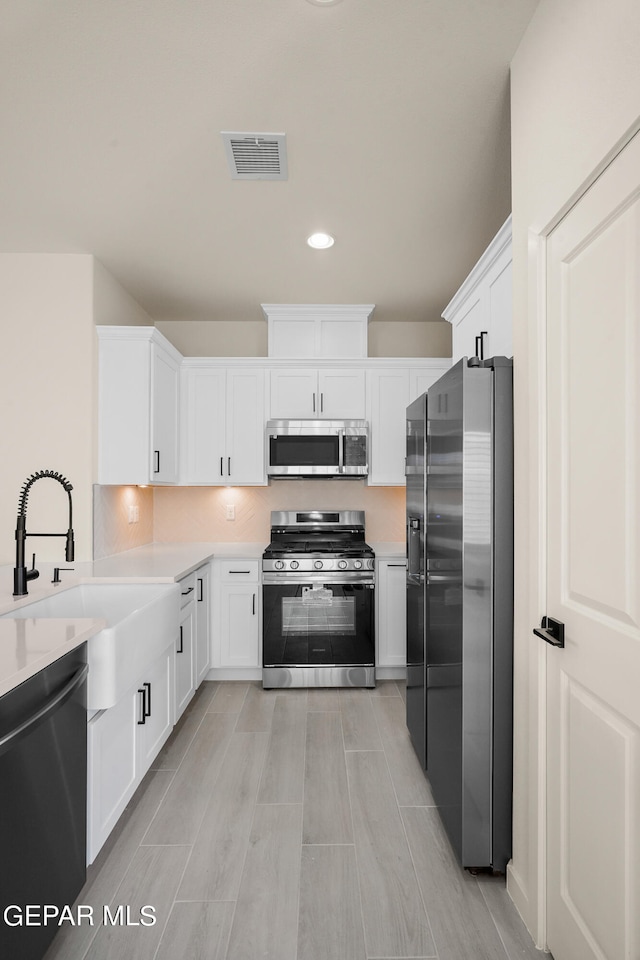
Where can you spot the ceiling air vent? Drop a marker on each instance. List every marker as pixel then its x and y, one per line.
pixel 256 156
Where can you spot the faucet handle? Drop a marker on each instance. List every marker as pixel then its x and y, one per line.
pixel 33 573
pixel 56 573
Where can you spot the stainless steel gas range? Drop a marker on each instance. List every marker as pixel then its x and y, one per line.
pixel 318 601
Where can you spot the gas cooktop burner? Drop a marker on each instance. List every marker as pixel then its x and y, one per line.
pixel 318 540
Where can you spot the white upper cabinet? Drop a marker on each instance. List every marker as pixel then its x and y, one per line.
pixel 481 311
pixel 138 372
pixel 325 330
pixel 223 419
pixel 327 394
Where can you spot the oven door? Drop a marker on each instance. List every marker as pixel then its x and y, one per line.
pixel 311 625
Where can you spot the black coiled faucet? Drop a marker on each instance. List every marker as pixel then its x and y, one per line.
pixel 21 575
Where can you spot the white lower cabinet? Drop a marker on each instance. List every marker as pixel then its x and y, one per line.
pixel 192 642
pixel 391 618
pixel 236 648
pixel 184 683
pixel 122 743
pixel 202 648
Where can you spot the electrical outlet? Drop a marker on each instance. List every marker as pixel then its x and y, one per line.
pixel 134 513
pixel 230 511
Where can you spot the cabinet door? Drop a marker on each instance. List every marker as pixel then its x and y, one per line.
pixel 157 683
pixel 341 394
pixel 203 425
pixel 164 417
pixel 184 688
pixel 391 613
pixel 469 324
pixel 500 299
pixel 294 394
pixel 421 380
pixel 388 399
pixel 112 767
pixel 203 631
pixel 239 623
pixel 341 338
pixel 245 422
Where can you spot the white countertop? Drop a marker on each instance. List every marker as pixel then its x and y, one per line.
pixel 390 550
pixel 30 645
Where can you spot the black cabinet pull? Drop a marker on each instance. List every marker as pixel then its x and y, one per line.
pixel 185 593
pixel 143 705
pixel 229 466
pixel 483 334
pixel 156 466
pixel 314 403
pixel 552 631
pixel 322 403
pixel 200 590
pixel 221 468
pixel 181 647
pixel 254 605
pixel 239 571
pixel 147 711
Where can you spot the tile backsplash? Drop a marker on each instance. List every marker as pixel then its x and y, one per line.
pixel 112 531
pixel 199 513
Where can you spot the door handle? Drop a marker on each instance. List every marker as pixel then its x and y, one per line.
pixel 147 706
pixel 550 630
pixel 156 465
pixel 181 647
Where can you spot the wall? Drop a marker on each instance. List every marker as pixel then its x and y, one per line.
pixel 197 513
pixel 575 95
pixel 195 338
pixel 48 385
pixel 46 394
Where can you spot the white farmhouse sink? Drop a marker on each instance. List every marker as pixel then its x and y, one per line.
pixel 142 620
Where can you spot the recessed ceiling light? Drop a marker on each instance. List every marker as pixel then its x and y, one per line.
pixel 320 241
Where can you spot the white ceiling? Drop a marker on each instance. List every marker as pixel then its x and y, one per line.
pixel 397 121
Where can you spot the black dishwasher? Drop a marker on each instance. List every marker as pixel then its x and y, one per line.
pixel 43 790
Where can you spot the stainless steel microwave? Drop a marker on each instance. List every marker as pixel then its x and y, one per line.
pixel 317 449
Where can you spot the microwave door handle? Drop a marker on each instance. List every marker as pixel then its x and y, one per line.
pixel 341 451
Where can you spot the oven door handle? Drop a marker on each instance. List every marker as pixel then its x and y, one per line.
pixel 340 451
pixel 274 580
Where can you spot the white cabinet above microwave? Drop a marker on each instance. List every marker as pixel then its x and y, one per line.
pixel 329 393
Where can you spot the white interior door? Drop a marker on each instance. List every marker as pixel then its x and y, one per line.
pixel 593 684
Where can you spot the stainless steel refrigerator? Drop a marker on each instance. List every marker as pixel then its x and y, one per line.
pixel 460 602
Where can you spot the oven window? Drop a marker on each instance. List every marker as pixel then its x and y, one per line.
pixel 318 624
pixel 318 611
pixel 292 451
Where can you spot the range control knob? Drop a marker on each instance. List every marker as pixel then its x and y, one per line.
pixel 357 564
pixel 317 564
pixel 279 564
pixel 343 564
pixel 294 564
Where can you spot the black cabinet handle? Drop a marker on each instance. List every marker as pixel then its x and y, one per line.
pixel 477 348
pixel 239 571
pixel 181 647
pixel 322 403
pixel 156 456
pixel 185 593
pixel 314 403
pixel 483 334
pixel 200 590
pixel 142 703
pixel 229 466
pixel 147 709
pixel 254 605
pixel 221 468
pixel 550 630
pixel 397 565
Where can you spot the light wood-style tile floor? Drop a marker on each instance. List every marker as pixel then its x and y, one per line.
pixel 290 825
